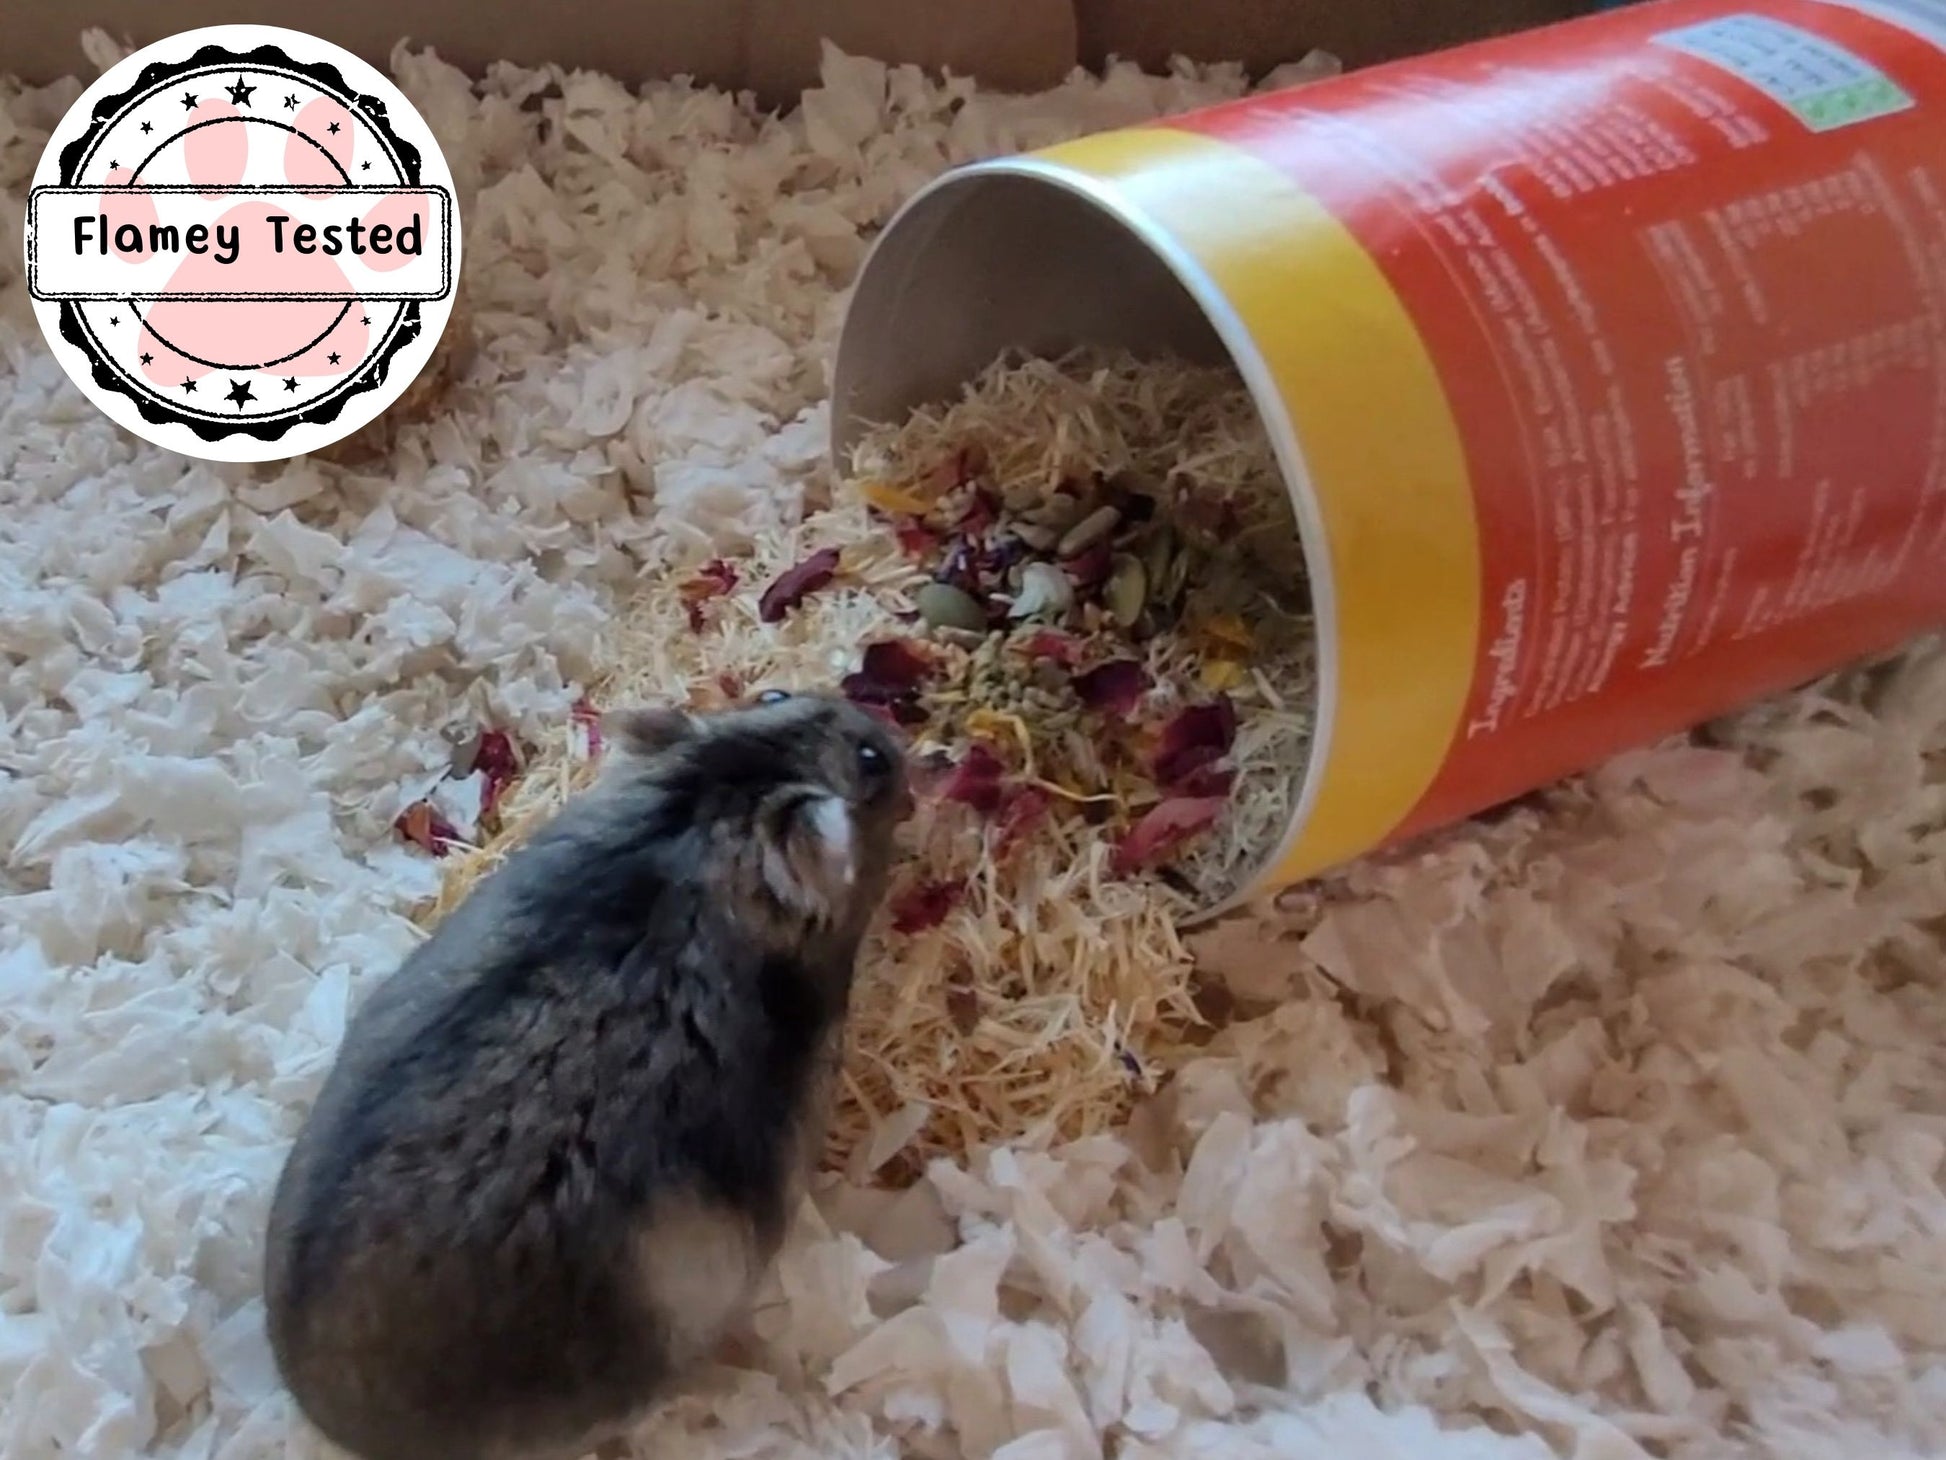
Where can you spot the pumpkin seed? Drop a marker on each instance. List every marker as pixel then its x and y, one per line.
pixel 946 607
pixel 1128 589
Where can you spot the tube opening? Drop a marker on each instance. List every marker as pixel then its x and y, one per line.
pixel 1017 256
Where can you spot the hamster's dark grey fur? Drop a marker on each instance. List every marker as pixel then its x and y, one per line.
pixel 560 1144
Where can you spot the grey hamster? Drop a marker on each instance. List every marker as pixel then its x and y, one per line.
pixel 560 1145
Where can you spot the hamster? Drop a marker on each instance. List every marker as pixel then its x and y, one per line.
pixel 560 1145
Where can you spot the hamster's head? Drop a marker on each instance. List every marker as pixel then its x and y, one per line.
pixel 797 800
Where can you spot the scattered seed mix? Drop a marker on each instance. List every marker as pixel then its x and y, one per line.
pixel 1079 590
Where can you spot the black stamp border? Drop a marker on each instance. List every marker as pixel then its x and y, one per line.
pixel 327 78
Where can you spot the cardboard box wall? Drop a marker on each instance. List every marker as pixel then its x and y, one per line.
pixel 771 46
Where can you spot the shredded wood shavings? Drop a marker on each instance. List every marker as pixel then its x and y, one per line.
pixel 1055 929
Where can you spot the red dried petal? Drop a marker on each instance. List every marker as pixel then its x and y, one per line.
pixel 1196 738
pixel 731 683
pixel 925 905
pixel 714 579
pixel 981 512
pixel 1209 780
pixel 1025 810
pixel 1165 827
pixel 1114 688
pixel 500 762
pixel 1048 644
pixel 892 667
pixel 977 781
pixel 795 584
pixel 915 539
pixel 1089 569
pixel 424 827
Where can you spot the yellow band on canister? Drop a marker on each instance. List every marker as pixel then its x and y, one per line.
pixel 1371 452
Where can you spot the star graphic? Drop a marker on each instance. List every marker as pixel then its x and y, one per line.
pixel 289 384
pixel 333 357
pixel 240 94
pixel 188 102
pixel 113 165
pixel 239 392
pixel 114 319
pixel 147 358
pixel 290 103
pixel 363 319
pixel 365 166
pixel 148 126
pixel 332 128
pixel 189 385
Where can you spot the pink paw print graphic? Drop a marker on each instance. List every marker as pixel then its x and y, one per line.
pixel 245 247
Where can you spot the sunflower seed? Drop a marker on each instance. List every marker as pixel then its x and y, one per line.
pixel 1088 531
pixel 1037 536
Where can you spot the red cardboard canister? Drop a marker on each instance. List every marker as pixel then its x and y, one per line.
pixel 1606 365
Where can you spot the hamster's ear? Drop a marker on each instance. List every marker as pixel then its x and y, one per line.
pixel 647 730
pixel 814 861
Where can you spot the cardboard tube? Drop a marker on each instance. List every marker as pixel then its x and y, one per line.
pixel 1606 366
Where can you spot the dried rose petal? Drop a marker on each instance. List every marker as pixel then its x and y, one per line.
pixel 1166 827
pixel 1198 737
pixel 1114 688
pixel 795 584
pixel 977 781
pixel 893 667
pixel 500 763
pixel 1025 810
pixel 1089 569
pixel 915 539
pixel 1049 644
pixel 887 681
pixel 424 827
pixel 982 511
pixel 1209 780
pixel 732 685
pixel 714 579
pixel 925 905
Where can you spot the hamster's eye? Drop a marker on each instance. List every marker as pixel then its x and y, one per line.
pixel 873 761
pixel 773 696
